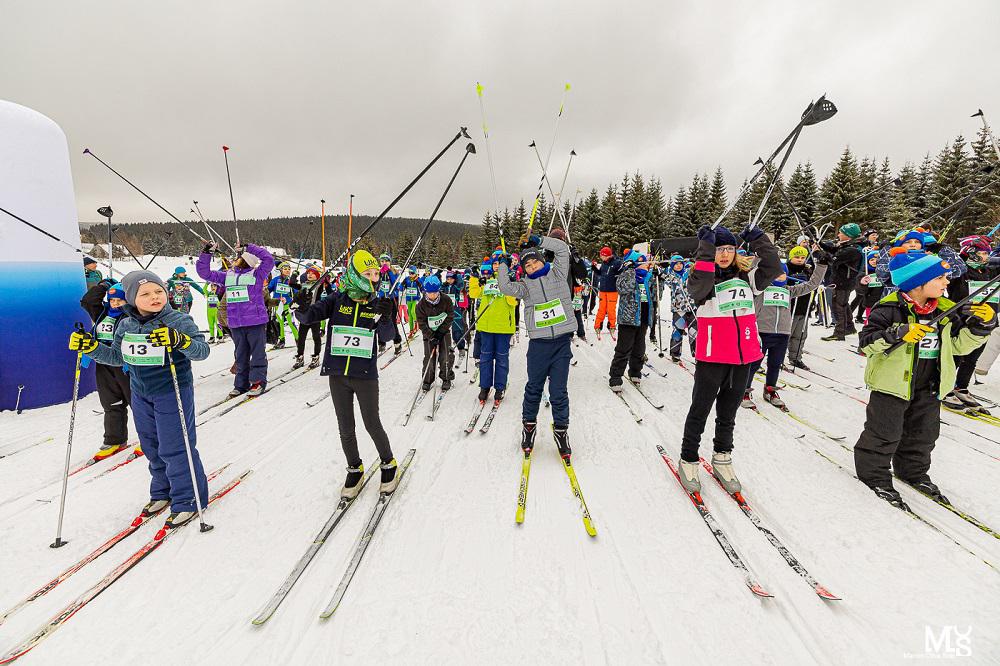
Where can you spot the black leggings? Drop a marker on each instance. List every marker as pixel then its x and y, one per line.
pixel 342 390
pixel 966 366
pixel 629 351
pixel 300 344
pixel 722 384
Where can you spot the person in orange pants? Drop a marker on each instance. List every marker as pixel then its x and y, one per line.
pixel 607 295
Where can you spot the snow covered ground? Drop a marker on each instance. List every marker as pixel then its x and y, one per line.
pixel 449 577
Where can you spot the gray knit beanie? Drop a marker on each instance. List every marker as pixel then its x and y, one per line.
pixel 136 279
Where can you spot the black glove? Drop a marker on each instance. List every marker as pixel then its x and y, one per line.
pixel 210 247
pixel 503 259
pixel 384 307
pixel 750 234
pixel 108 282
pixel 165 336
pixel 821 257
pixel 438 335
pixel 706 233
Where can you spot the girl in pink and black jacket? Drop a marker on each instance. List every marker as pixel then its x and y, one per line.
pixel 722 286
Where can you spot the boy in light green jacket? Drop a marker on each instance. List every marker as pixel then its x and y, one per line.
pixel 495 316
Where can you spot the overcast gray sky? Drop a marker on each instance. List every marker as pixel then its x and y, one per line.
pixel 320 99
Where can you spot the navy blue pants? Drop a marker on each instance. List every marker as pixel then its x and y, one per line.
pixel 494 359
pixel 547 359
pixel 159 426
pixel 774 346
pixel 458 328
pixel 251 361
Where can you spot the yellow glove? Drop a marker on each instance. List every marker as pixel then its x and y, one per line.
pixel 983 311
pixel 914 333
pixel 168 337
pixel 82 342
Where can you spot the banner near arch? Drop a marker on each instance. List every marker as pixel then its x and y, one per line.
pixel 41 280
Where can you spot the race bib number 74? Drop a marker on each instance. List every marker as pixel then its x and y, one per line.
pixel 733 294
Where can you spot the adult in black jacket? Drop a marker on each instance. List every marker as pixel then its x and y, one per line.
pixel 844 272
pixel 350 362
pixel 113 387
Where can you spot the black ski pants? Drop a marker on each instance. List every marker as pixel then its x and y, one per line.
pixel 900 432
pixel 444 359
pixel 343 390
pixel 720 384
pixel 842 316
pixel 115 394
pixel 300 344
pixel 629 350
pixel 966 366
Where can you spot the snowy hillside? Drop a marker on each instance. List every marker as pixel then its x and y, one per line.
pixel 449 578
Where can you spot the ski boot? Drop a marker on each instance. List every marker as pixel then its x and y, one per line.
pixel 178 518
pixel 154 507
pixel 498 395
pixel 426 386
pixel 561 435
pixel 722 469
pixel 800 365
pixel 484 394
pixel 930 489
pixel 834 338
pixel 771 396
pixel 352 486
pixel 528 431
pixel 314 361
pixel 299 362
pixel 675 359
pixel 211 340
pixel 446 385
pixel 107 451
pixel 397 348
pixel 747 402
pixel 891 495
pixel 280 344
pixel 953 402
pixel 689 476
pixel 636 381
pixel 381 347
pixel 390 479
pixel 616 388
pixel 461 356
pixel 968 400
pixel 256 389
pixel 235 393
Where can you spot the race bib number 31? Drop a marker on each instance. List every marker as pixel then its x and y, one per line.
pixel 351 341
pixel 549 314
pixel 776 296
pixel 733 294
pixel 136 350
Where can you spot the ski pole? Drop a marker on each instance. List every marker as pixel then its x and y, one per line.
pixel 106 211
pixel 541 181
pixel 989 132
pixel 88 151
pixel 489 159
pixel 659 319
pixel 55 238
pixel 115 232
pixel 17 405
pixel 187 442
pixel 461 133
pixel 952 309
pixel 208 227
pixel 572 210
pixel 232 202
pixel 58 543
pixel 557 198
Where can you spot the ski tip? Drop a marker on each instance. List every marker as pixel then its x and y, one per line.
pixel 160 534
pixel 137 521
pixel 826 594
pixel 759 591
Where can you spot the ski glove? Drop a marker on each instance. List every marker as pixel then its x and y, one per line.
pixel 706 233
pixel 503 259
pixel 981 310
pixel 529 240
pixel 383 307
pixel 82 341
pixel 750 234
pixel 210 247
pixel 821 257
pixel 108 282
pixel 909 333
pixel 165 336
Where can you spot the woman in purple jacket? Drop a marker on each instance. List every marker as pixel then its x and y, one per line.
pixel 246 312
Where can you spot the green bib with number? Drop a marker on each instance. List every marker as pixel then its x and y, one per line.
pixel 136 350
pixel 643 295
pixel 776 296
pixel 578 302
pixel 491 288
pixel 351 341
pixel 991 295
pixel 733 294
pixel 212 299
pixel 411 291
pixel 549 314
pixel 238 287
pixel 436 320
pixel 929 346
pixel 282 288
pixel 874 281
pixel 106 329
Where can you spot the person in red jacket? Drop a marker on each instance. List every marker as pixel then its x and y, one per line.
pixel 722 286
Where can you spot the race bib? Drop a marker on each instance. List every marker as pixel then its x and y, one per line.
pixel 383 286
pixel 874 280
pixel 578 302
pixel 991 295
pixel 733 294
pixel 776 296
pixel 351 341
pixel 212 299
pixel 411 291
pixel 282 288
pixel 549 314
pixel 436 320
pixel 106 329
pixel 237 293
pixel 136 350
pixel 491 289
pixel 178 298
pixel 929 346
pixel 643 296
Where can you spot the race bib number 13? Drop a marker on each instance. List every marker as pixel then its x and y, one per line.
pixel 136 350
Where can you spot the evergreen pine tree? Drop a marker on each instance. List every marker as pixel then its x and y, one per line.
pixel 717 199
pixel 803 192
pixel 610 233
pixel 953 179
pixel 586 228
pixel 839 188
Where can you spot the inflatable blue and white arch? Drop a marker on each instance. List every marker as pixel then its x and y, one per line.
pixel 41 280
